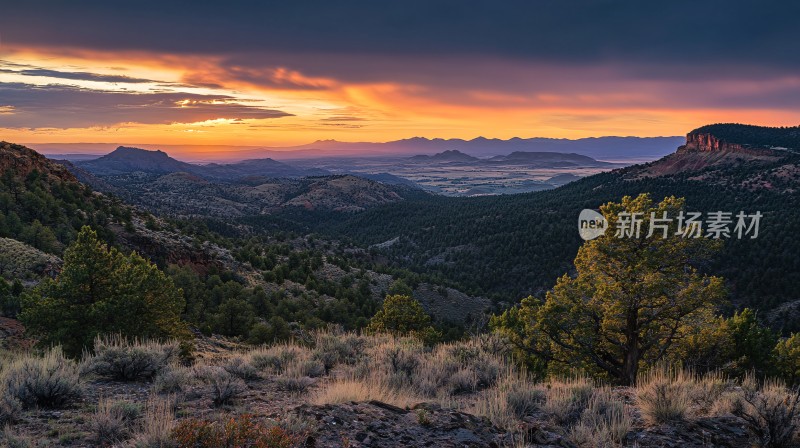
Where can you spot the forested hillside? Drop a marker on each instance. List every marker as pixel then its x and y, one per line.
pixel 512 246
pixel 43 205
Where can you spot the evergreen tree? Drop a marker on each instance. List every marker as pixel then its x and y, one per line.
pixel 632 299
pixel 102 291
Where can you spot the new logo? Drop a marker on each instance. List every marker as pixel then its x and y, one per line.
pixel 591 224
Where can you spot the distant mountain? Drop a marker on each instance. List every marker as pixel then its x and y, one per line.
pixel 451 155
pixel 186 194
pixel 562 179
pixel 127 160
pixel 601 148
pixel 611 148
pixel 547 160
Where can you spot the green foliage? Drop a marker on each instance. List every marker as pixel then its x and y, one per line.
pixel 630 302
pixel 9 298
pixel 402 315
pixel 47 211
pixel 525 241
pixel 399 288
pixel 751 344
pixel 102 291
pixel 787 358
pixel 737 345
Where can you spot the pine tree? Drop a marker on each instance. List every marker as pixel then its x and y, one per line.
pixel 632 299
pixel 101 291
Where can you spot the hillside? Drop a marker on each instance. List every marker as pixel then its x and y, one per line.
pixel 526 241
pixel 43 204
pixel 126 160
pixel 187 194
pixel 312 282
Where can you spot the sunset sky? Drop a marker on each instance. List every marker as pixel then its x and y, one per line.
pixel 286 73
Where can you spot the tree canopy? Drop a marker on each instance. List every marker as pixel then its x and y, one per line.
pixel 630 301
pixel 101 291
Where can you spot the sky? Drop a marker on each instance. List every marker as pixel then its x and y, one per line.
pixel 269 73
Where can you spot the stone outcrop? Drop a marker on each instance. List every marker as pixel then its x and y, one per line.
pixel 22 161
pixel 705 142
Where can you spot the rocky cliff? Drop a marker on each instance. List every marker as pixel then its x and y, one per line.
pixel 21 161
pixel 706 142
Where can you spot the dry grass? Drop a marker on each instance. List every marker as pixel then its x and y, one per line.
pixel 352 389
pixel 335 367
pixel 120 359
pixel 108 424
pixel 665 395
pixel 771 412
pixel 603 423
pixel 156 426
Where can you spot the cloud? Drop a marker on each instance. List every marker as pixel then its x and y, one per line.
pixel 687 31
pixel 61 106
pixel 81 76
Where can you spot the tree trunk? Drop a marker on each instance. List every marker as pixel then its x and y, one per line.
pixel 630 367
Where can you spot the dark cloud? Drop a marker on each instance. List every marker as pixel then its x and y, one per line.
pixel 706 32
pixel 60 106
pixel 82 76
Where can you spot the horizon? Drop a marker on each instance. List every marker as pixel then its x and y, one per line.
pixel 275 76
pixel 327 149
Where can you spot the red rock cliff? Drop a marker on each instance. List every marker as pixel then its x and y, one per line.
pixel 710 143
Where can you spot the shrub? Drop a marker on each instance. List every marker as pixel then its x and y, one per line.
pixel 462 381
pixel 294 380
pixel 241 368
pixel 108 424
pixel 423 417
pixel 10 409
pixel 771 412
pixel 224 386
pixel 312 368
pixel 664 395
pixel 157 425
pixel 11 439
pixel 174 379
pixel 238 431
pixel 604 423
pixel 522 398
pixel 331 348
pixel 566 399
pixel 352 389
pixel 50 381
pixel 277 358
pixel 119 359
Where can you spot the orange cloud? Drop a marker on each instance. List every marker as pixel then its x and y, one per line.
pixel 230 101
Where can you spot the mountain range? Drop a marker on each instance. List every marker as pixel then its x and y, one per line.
pixel 604 148
pixel 125 160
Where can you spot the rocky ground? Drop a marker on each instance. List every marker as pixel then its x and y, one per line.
pixel 286 385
